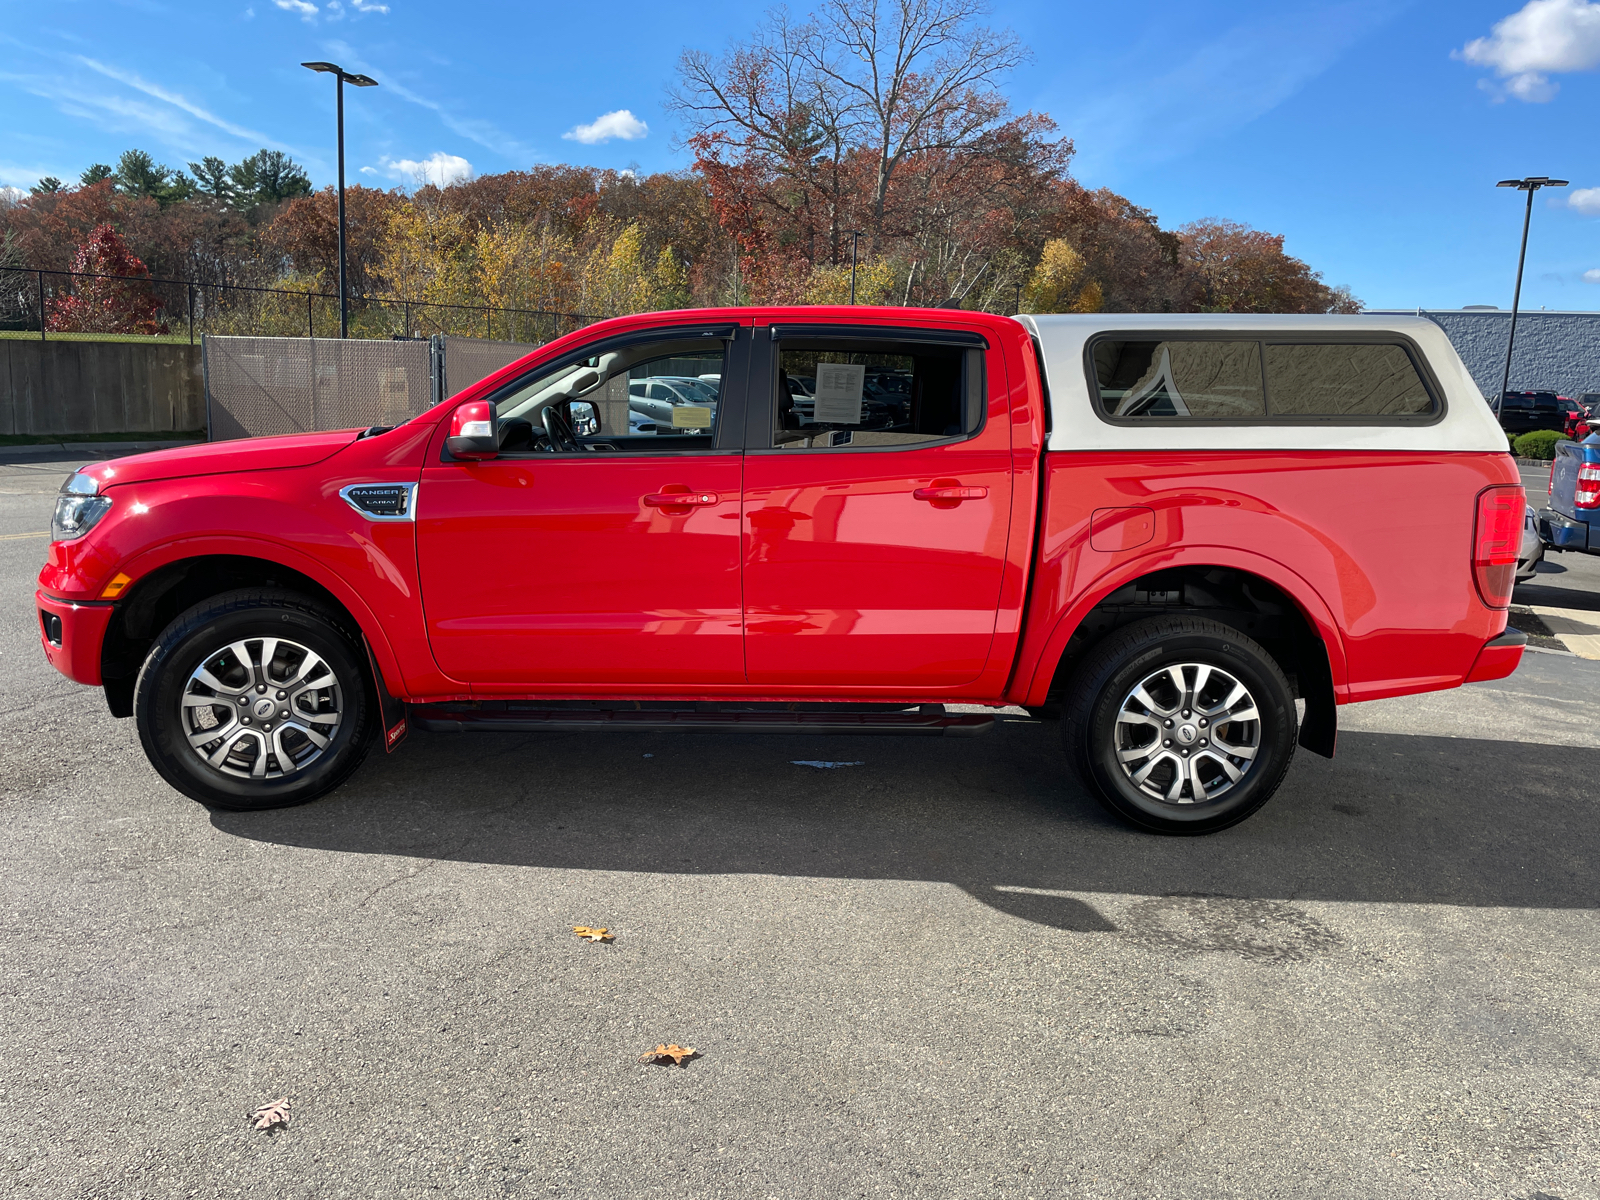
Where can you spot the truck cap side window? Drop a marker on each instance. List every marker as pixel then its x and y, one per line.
pixel 1205 379
pixel 1243 382
pixel 874 395
pixel 1325 380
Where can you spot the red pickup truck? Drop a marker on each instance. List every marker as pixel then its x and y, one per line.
pixel 1160 529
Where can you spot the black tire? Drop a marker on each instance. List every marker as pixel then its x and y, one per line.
pixel 338 697
pixel 1104 721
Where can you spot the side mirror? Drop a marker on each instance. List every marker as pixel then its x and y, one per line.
pixel 472 432
pixel 585 418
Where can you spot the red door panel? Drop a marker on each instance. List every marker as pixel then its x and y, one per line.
pixel 852 580
pixel 581 571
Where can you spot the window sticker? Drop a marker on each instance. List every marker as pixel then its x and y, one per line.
pixel 839 388
pixel 691 416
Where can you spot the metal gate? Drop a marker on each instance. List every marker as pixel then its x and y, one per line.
pixel 259 386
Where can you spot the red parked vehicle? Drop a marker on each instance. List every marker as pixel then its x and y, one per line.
pixel 1162 529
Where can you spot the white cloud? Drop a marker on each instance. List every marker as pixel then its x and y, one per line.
pixel 1586 201
pixel 620 124
pixel 11 195
pixel 307 12
pixel 1544 37
pixel 1149 100
pixel 484 133
pixel 439 169
pixel 177 101
pixel 363 6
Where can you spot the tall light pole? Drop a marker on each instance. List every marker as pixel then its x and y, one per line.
pixel 1530 185
pixel 855 237
pixel 343 77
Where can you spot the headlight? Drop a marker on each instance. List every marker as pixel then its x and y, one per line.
pixel 79 508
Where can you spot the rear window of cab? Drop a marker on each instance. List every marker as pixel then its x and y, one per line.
pixel 1147 379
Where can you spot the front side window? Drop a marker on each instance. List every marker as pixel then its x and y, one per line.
pixel 874 395
pixel 638 396
pixel 1249 381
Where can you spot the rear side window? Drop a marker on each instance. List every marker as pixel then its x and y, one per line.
pixel 1250 381
pixel 874 395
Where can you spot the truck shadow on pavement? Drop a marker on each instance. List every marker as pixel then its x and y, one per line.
pixel 1396 819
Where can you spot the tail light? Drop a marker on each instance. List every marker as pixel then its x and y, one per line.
pixel 1587 494
pixel 1550 488
pixel 1496 542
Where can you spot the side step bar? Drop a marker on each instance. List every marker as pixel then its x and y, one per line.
pixel 454 718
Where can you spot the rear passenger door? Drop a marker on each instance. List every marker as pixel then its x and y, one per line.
pixel 877 501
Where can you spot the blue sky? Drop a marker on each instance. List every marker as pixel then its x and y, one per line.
pixel 1370 132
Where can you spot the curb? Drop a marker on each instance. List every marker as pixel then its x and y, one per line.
pixel 87 450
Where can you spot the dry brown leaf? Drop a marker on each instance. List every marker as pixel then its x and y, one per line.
pixel 276 1113
pixel 600 934
pixel 678 1054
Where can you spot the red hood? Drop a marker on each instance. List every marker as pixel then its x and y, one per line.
pixel 215 458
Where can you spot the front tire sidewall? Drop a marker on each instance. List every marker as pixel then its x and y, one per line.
pixel 1251 667
pixel 190 640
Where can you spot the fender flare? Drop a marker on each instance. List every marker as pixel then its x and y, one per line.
pixel 1311 604
pixel 245 546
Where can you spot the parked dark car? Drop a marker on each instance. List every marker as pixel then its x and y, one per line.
pixel 1523 412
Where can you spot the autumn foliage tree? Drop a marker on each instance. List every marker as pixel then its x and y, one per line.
pixel 1238 269
pixel 113 299
pixel 878 124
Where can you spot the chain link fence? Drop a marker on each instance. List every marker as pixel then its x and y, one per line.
pixel 65 305
pixel 259 386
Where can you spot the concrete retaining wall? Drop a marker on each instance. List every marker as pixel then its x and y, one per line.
pixel 99 387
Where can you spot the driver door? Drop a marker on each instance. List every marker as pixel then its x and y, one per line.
pixel 599 547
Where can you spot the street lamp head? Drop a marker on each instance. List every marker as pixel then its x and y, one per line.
pixel 1532 183
pixel 329 68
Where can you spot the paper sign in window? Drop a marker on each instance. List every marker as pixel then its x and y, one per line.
pixel 691 416
pixel 839 387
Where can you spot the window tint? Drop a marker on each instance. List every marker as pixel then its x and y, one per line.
pixel 1344 381
pixel 882 395
pixel 643 397
pixel 1245 381
pixel 1201 378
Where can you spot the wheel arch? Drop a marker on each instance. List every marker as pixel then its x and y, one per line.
pixel 1221 583
pixel 171 578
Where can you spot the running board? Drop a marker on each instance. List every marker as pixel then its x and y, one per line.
pixel 452 718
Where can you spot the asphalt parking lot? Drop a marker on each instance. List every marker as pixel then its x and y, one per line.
pixel 939 972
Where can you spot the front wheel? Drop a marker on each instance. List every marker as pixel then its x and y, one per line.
pixel 254 699
pixel 1180 724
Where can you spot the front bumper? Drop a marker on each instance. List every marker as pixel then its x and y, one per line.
pixel 1563 533
pixel 72 633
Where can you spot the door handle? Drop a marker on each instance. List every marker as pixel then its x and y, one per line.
pixel 950 492
pixel 683 499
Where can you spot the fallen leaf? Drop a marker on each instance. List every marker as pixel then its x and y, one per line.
pixel 601 934
pixel 276 1113
pixel 678 1054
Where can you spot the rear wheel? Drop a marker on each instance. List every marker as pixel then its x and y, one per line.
pixel 1180 724
pixel 254 699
